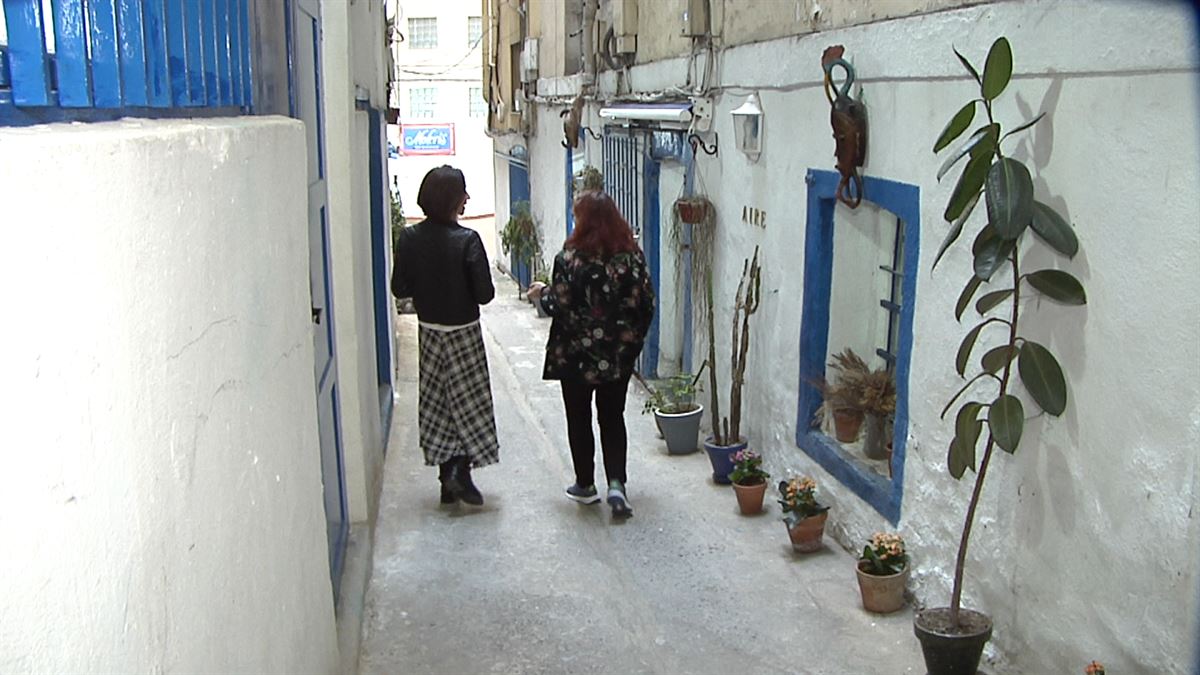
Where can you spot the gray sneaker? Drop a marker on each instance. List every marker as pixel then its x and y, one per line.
pixel 621 507
pixel 583 495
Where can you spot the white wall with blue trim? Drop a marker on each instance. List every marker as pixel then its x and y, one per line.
pixel 1085 542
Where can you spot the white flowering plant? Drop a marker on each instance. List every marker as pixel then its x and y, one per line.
pixel 884 555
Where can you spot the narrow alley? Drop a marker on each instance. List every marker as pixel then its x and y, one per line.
pixel 533 583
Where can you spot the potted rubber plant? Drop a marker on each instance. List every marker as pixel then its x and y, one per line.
pixel 952 638
pixel 882 571
pixel 726 438
pixel 520 238
pixel 749 481
pixel 802 514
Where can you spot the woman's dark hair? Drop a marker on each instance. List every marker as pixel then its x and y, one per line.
pixel 442 191
pixel 600 229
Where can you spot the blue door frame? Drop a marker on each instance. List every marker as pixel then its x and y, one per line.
pixel 518 191
pixel 380 241
pixel 303 29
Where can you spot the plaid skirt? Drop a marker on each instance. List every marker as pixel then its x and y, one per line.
pixel 456 415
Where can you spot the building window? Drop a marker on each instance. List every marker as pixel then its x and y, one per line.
pixel 422 103
pixel 860 268
pixel 474 31
pixel 422 33
pixel 477 106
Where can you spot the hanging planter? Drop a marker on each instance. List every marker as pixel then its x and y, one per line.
pixel 694 210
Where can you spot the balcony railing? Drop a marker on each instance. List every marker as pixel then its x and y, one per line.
pixel 94 59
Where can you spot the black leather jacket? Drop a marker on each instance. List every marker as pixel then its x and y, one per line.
pixel 444 269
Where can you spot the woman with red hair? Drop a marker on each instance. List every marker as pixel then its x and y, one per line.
pixel 602 301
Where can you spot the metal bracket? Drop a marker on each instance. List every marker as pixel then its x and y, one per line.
pixel 697 143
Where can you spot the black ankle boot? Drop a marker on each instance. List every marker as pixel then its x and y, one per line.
pixel 460 481
pixel 448 496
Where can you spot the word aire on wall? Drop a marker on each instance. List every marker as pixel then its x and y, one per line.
pixel 427 139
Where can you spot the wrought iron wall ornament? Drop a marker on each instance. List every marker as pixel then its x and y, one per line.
pixel 849 120
pixel 698 144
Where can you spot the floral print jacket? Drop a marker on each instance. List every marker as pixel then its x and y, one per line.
pixel 602 309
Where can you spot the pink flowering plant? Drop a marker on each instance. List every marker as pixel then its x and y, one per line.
pixel 1094 668
pixel 747 468
pixel 884 555
pixel 798 497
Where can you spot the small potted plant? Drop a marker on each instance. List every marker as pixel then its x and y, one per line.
pixel 1094 668
pixel 882 573
pixel 543 278
pixel 842 398
pixel 749 481
pixel 676 411
pixel 804 517
pixel 520 238
pixel 697 210
pixel 878 402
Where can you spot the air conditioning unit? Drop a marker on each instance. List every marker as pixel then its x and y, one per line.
pixel 529 60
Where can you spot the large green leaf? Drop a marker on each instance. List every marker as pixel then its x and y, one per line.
pixel 990 252
pixel 997 70
pixel 957 125
pixel 983 140
pixel 955 229
pixel 989 301
pixel 967 64
pixel 1059 285
pixel 1043 377
pixel 1054 230
pixel 997 357
pixel 1009 191
pixel 964 298
pixel 1025 126
pixel 956 459
pixel 968 187
pixel 964 349
pixel 1006 419
pixel 967 427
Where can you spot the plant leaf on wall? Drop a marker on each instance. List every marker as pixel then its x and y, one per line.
pixel 1054 230
pixel 956 459
pixel 1009 193
pixel 954 128
pixel 968 187
pixel 1043 377
pixel 982 141
pixel 997 357
pixel 964 298
pixel 990 252
pixel 967 64
pixel 964 348
pixel 967 427
pixel 1025 126
pixel 988 302
pixel 956 229
pixel 1006 419
pixel 997 70
pixel 1059 285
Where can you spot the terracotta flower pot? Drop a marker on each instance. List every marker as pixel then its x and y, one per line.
pixel 806 534
pixel 846 424
pixel 882 594
pixel 750 497
pixel 692 211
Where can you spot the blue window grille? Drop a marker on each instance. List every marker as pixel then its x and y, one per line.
pixel 100 59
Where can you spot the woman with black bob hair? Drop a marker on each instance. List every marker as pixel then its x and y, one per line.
pixel 602 301
pixel 443 267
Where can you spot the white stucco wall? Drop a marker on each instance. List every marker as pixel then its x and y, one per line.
pixel 1081 546
pixel 163 503
pixel 352 49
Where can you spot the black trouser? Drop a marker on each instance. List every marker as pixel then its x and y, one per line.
pixel 610 413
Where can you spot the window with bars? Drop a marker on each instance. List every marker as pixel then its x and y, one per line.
pixel 477 107
pixel 859 292
pixel 474 31
pixel 422 33
pixel 422 103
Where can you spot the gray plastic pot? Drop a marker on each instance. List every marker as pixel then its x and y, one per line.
pixel 681 430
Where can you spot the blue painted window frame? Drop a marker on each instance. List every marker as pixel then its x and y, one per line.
pixel 883 494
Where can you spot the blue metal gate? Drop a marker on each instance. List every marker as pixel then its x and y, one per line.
pixel 631 178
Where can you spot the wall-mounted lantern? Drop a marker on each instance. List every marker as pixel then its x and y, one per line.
pixel 748 127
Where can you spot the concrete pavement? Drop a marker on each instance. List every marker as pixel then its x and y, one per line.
pixel 534 583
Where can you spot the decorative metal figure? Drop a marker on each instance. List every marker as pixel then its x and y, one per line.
pixel 849 120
